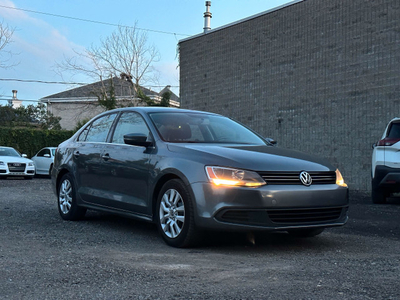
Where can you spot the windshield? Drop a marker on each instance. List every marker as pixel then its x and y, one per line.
pixel 188 127
pixel 9 152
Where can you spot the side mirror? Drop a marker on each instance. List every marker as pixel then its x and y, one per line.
pixel 271 141
pixel 137 139
pixel 373 145
pixel 24 155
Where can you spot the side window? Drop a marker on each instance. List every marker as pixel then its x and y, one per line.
pixel 99 129
pixel 43 152
pixel 82 136
pixel 129 122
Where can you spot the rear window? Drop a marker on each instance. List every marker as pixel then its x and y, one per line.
pixel 394 131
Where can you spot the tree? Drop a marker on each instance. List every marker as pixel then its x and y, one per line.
pixel 165 99
pixel 106 97
pixel 6 34
pixel 125 54
pixel 30 116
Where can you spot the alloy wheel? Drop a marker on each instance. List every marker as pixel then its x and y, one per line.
pixel 65 196
pixel 172 213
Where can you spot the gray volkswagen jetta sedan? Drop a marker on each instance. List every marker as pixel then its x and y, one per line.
pixel 190 172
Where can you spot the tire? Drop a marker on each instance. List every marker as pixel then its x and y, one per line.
pixel 66 199
pixel 307 232
pixel 175 215
pixel 378 195
pixel 51 168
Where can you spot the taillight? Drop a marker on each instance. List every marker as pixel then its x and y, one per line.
pixel 388 141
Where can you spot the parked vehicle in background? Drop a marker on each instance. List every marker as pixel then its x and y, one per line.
pixel 385 171
pixel 12 163
pixel 188 171
pixel 44 160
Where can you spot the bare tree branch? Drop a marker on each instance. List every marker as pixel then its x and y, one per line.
pixel 6 34
pixel 125 53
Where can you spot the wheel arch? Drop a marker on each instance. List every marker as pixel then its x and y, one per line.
pixel 59 176
pixel 165 177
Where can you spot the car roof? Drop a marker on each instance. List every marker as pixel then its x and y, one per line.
pixel 395 120
pixel 152 109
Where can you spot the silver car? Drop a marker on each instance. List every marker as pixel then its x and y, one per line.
pixel 44 160
pixel 191 171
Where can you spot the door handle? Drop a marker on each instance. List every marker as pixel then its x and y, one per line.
pixel 105 156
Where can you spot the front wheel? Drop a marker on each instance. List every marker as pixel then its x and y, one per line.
pixel 175 215
pixel 67 206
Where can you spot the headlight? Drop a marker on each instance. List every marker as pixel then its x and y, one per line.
pixel 339 179
pixel 234 177
pixel 2 163
pixel 30 164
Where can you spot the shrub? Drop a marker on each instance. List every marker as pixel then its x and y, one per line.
pixel 31 140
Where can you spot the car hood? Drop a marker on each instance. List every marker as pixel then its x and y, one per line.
pixel 17 159
pixel 257 157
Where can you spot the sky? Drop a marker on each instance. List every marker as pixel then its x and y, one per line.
pixel 47 31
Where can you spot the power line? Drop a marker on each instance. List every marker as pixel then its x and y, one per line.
pixel 92 21
pixel 69 83
pixel 42 81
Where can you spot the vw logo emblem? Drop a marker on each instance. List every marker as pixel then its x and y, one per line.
pixel 305 178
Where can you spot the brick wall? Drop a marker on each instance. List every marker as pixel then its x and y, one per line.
pixel 320 76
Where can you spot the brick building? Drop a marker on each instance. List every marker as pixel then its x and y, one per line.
pixel 320 76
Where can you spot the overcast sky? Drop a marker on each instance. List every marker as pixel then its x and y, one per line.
pixel 43 35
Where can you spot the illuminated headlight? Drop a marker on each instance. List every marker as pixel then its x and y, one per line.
pixel 234 177
pixel 339 179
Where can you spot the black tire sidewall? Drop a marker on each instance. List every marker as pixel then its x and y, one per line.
pixel 186 235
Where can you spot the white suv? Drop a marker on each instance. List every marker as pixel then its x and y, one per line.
pixel 386 163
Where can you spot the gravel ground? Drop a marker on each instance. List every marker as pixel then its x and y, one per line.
pixel 109 257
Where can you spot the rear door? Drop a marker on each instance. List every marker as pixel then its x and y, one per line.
pixel 88 159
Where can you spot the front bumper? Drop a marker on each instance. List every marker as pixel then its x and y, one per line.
pixel 271 207
pixel 27 171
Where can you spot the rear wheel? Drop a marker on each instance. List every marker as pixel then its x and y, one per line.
pixel 67 206
pixel 378 196
pixel 175 215
pixel 306 232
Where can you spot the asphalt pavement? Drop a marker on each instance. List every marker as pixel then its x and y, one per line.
pixel 109 257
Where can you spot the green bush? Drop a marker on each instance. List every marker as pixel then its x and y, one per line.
pixel 31 140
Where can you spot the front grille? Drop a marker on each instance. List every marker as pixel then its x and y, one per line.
pixel 248 217
pixel 304 215
pixel 264 217
pixel 16 167
pixel 294 177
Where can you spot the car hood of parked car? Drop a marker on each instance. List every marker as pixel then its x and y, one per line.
pixel 18 159
pixel 253 157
